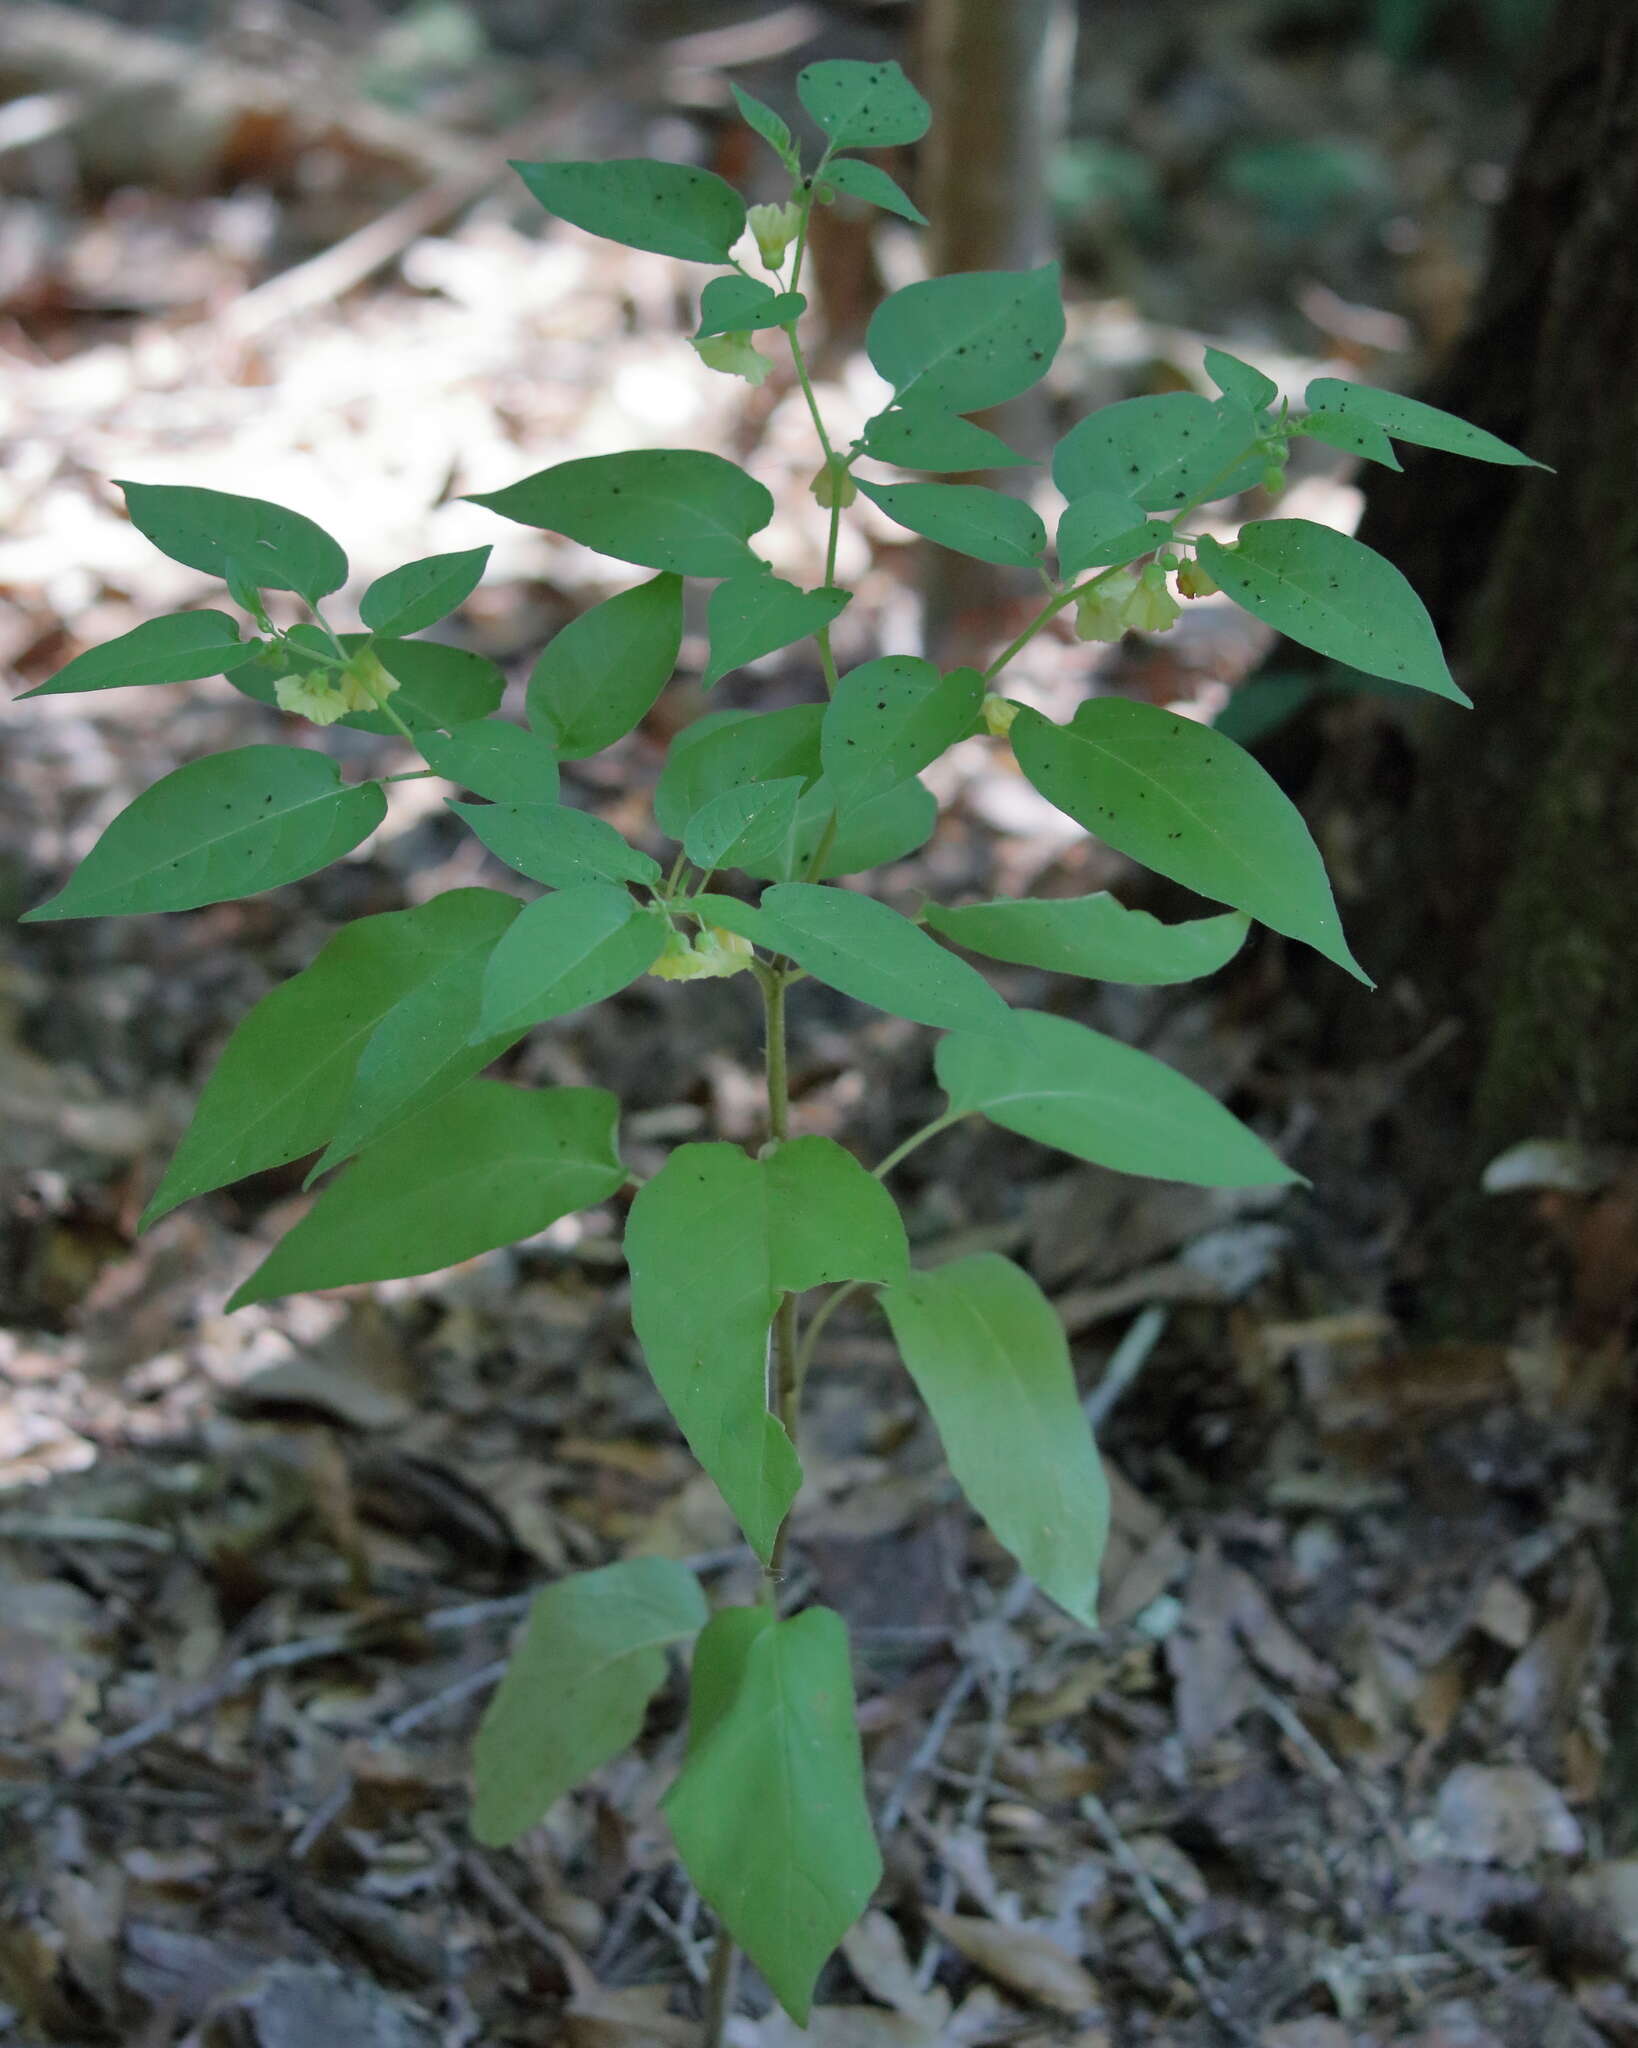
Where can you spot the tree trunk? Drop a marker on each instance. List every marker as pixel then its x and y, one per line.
pixel 1509 893
pixel 997 78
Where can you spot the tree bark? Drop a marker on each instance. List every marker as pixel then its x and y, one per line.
pixel 1509 890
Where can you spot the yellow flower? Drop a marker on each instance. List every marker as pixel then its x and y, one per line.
pixel 733 355
pixel 365 684
pixel 999 712
pixel 313 696
pixel 832 485
pixel 1100 613
pixel 1151 608
pixel 775 228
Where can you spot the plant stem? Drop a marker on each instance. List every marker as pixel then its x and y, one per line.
pixel 939 1123
pixel 719 1990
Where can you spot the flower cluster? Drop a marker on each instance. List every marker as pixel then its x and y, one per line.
pixel 324 695
pixel 714 952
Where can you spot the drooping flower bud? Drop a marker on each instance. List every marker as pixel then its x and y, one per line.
pixel 833 486
pixel 999 712
pixel 1151 608
pixel 733 355
pixel 1194 581
pixel 1273 480
pixel 775 228
pixel 311 695
pixel 1100 613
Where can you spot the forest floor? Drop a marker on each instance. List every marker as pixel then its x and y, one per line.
pixel 1328 1777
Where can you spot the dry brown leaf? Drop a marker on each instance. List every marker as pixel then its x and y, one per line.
pixel 875 1953
pixel 1502 1813
pixel 1034 1965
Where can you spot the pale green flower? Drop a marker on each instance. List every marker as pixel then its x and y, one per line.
pixel 365 684
pixel 1194 581
pixel 1151 608
pixel 715 952
pixel 775 228
pixel 733 355
pixel 999 712
pixel 832 485
pixel 1100 613
pixel 312 695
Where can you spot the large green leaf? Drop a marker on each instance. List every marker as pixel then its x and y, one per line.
pixel 729 749
pixel 567 950
pixel 228 826
pixel 1328 591
pixel 967 518
pixel 1190 804
pixel 713 1240
pixel 868 951
pixel 1094 936
pixel 987 1351
pixel 1103 529
pixel 863 106
pixel 1165 452
pixel 574 1695
pixel 495 760
pixel 1408 419
pixel 741 825
pixel 178 649
pixel 598 676
pixel 424 1047
pixel 274 549
pixel 869 182
pixel 959 344
pixel 874 834
pixel 483 1167
pixel 937 441
pixel 555 844
pixel 1056 1081
pixel 749 616
pixel 673 209
pixel 889 718
pixel 667 508
pixel 421 593
pixel 769 1811
pixel 742 305
pixel 284 1078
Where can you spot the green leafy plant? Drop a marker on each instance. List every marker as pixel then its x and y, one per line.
pixel 373 1056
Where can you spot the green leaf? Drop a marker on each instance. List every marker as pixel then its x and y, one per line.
pixel 959 344
pixel 987 1353
pixel 1165 452
pixel 484 1167
pixel 667 508
pixel 423 1047
pixel 758 115
pixel 1056 1081
pixel 557 845
pixel 1408 419
pixel 889 718
pixel 1094 936
pixel 869 182
pixel 745 824
pixel 1350 431
pixel 769 1811
pixel 937 441
pixel 741 305
pixel 713 1240
pixel 225 827
pixel 598 677
pixel 868 951
pixel 178 649
pixel 285 1077
pixel 1243 381
pixel 989 525
pixel 575 1692
pixel 863 106
pixel 421 593
pixel 672 209
pixel 873 834
pixel 274 549
pixel 728 749
pixel 567 950
pixel 1104 529
pixel 749 616
pixel 494 759
pixel 1189 804
pixel 1328 591
pixel 439 686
